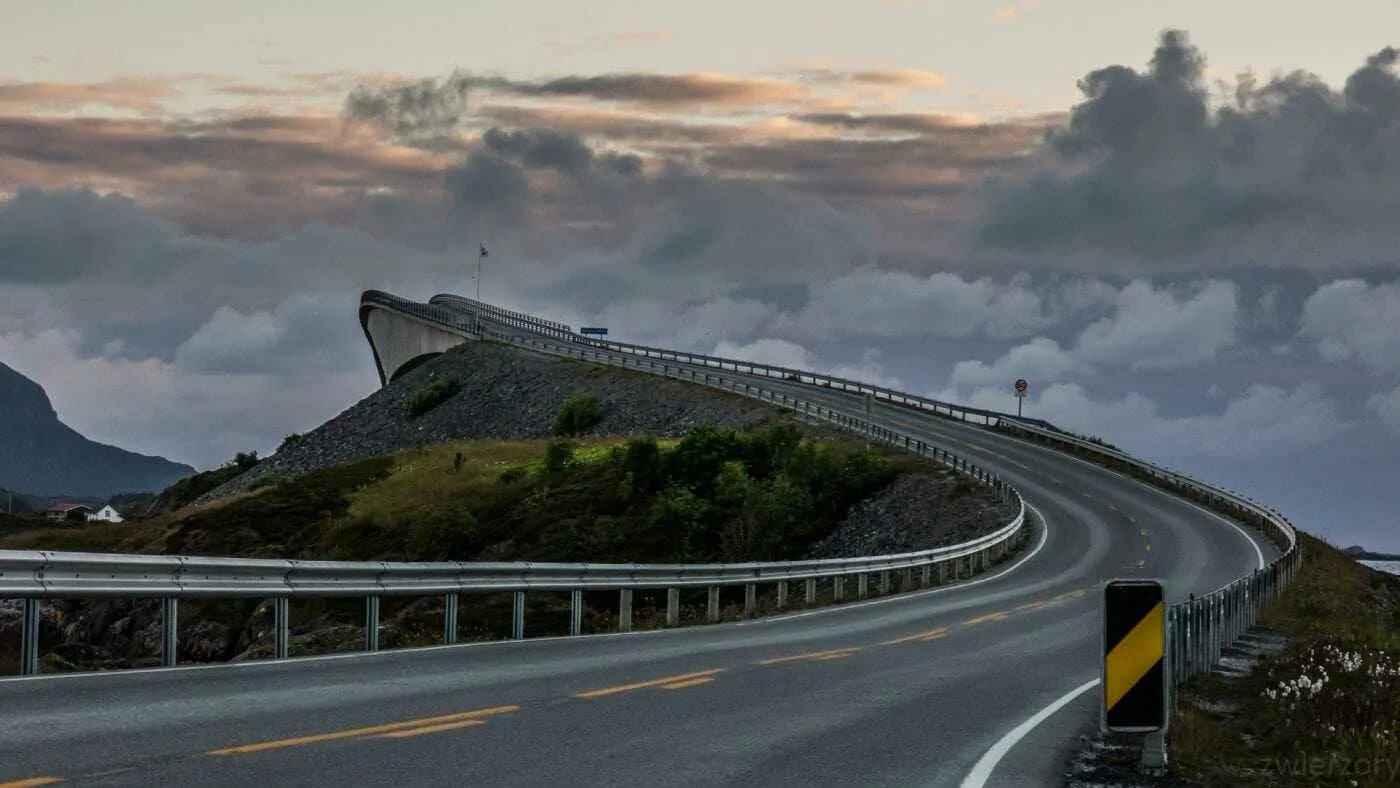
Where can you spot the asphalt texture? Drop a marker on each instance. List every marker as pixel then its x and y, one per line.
pixel 909 688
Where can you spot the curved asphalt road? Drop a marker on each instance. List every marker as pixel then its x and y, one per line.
pixel 911 688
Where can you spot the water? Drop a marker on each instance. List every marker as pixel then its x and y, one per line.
pixel 1392 567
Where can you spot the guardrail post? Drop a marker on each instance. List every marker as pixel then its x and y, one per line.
pixel 811 590
pixel 517 617
pixel 750 598
pixel 838 588
pixel 29 638
pixel 371 623
pixel 576 612
pixel 712 606
pixel 169 631
pixel 624 610
pixel 942 573
pixel 281 627
pixel 926 576
pixel 673 607
pixel 884 583
pixel 449 618
pixel 908 578
pixel 782 594
pixel 862 585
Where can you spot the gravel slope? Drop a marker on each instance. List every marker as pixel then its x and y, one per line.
pixel 505 393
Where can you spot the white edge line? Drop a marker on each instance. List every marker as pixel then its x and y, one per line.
pixel 367 655
pixel 1044 535
pixel 982 770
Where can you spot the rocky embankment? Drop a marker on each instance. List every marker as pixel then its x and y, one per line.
pixel 504 393
pixel 916 512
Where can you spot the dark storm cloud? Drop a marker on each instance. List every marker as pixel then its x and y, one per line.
pixel 1289 172
pixel 408 109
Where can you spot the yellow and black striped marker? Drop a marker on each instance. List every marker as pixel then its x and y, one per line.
pixel 1134 656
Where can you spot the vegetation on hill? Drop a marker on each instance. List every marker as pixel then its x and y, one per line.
pixel 432 395
pixel 579 414
pixel 1326 710
pixel 716 494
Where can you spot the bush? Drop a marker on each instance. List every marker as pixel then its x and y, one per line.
pixel 445 533
pixel 579 413
pixel 431 396
pixel 642 463
pixel 558 456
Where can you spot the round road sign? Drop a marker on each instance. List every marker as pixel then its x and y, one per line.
pixel 1021 385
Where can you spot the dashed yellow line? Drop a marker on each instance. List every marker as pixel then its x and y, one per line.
pixel 446 726
pixel 664 680
pixel 997 616
pixel 688 683
pixel 1034 605
pixel 351 733
pixel 836 653
pixel 918 637
pixel 32 781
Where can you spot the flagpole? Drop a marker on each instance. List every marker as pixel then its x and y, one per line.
pixel 480 253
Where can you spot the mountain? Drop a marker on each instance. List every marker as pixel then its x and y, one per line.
pixel 43 456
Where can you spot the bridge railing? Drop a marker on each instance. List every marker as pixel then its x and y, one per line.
pixel 1201 628
pixel 496 314
pixel 34 576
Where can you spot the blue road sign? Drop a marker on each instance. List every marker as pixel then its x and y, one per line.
pixel 591 331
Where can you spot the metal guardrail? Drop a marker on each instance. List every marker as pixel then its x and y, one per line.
pixel 1200 629
pixel 499 315
pixel 37 575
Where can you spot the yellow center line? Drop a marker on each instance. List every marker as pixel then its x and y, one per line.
pixel 446 726
pixel 925 636
pixel 997 616
pixel 688 683
pixel 32 781
pixel 351 733
pixel 604 692
pixel 1034 605
pixel 835 653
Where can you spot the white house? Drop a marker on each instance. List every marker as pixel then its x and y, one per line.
pixel 106 514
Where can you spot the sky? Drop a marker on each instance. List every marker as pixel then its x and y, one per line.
pixel 1177 221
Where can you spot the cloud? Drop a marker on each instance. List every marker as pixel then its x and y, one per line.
pixel 783 353
pixel 1387 406
pixel 887 78
pixel 1288 173
pixel 1041 360
pixel 1263 421
pixel 1350 319
pixel 874 303
pixel 408 109
pixel 123 93
pixel 1153 328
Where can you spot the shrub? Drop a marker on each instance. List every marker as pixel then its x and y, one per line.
pixel 444 533
pixel 641 461
pixel 558 456
pixel 578 414
pixel 431 396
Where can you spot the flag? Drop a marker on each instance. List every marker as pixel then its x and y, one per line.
pixel 483 250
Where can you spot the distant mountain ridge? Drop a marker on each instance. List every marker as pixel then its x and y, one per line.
pixel 41 455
